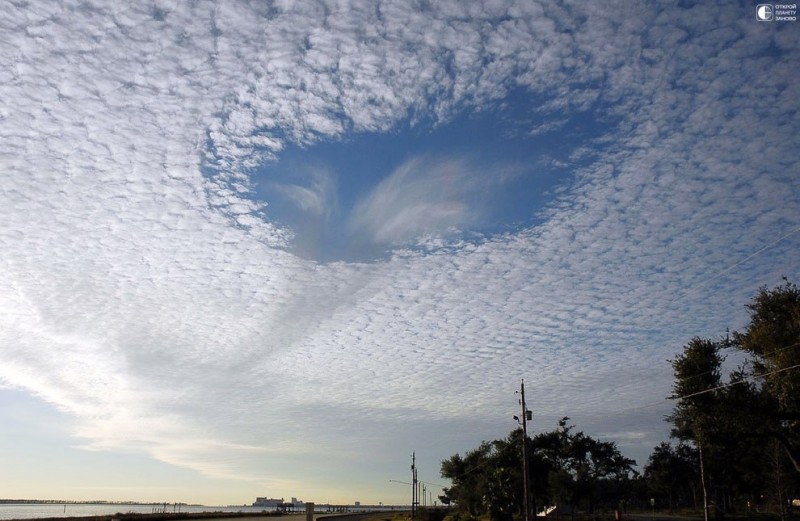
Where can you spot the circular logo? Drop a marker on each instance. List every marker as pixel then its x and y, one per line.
pixel 764 13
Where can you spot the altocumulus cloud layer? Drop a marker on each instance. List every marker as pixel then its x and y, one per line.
pixel 144 292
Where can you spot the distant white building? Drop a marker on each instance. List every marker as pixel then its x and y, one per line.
pixel 268 502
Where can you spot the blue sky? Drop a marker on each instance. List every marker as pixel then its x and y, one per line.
pixel 257 250
pixel 487 163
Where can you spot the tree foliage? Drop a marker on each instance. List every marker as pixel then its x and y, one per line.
pixel 672 475
pixel 697 381
pixel 773 340
pixel 738 435
pixel 735 426
pixel 566 467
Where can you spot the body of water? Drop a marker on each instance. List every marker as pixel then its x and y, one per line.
pixel 39 510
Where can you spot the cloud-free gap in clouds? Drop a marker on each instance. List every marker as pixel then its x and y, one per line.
pixel 360 198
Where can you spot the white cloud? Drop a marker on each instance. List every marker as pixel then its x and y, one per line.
pixel 428 196
pixel 419 197
pixel 317 195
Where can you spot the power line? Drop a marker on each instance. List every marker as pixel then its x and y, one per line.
pixel 731 384
pixel 694 289
pixel 768 246
pixel 660 403
pixel 771 353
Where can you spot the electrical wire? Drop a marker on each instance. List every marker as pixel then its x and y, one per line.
pixel 731 384
pixel 662 402
pixel 765 248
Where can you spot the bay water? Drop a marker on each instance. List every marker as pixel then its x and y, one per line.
pixel 40 510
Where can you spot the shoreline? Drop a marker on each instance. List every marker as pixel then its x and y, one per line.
pixel 165 516
pixel 211 516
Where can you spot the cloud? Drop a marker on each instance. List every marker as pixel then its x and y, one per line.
pixel 429 196
pixel 145 292
pixel 317 196
pixel 420 197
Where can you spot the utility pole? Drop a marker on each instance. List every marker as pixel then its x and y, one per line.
pixel 414 485
pixel 526 415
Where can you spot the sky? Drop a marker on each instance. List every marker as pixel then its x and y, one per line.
pixel 272 248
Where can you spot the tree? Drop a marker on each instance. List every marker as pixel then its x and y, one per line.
pixel 733 424
pixel 565 467
pixel 773 340
pixel 580 464
pixel 697 380
pixel 672 474
pixel 487 479
pixel 469 477
pixel 500 501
